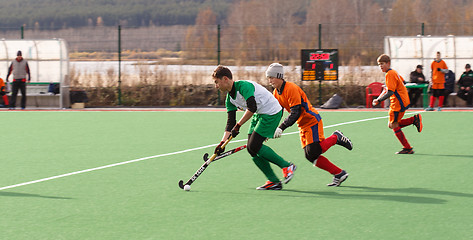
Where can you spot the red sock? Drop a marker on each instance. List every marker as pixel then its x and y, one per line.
pixel 328 143
pixel 432 101
pixel 5 100
pixel 441 99
pixel 323 163
pixel 402 138
pixel 406 122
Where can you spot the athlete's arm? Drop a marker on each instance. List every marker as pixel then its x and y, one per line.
pixel 28 72
pixel 251 104
pixel 231 120
pixel 289 121
pixel 234 128
pixel 296 112
pixel 383 97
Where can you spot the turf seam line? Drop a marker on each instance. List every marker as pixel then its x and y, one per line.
pixel 167 154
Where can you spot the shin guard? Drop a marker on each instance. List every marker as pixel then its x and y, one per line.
pixel 400 135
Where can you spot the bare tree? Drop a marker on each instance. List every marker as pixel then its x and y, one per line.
pixel 201 38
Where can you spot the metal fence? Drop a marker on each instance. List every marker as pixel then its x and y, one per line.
pixel 232 45
pixel 236 43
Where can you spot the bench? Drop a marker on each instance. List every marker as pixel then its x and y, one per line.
pixel 455 101
pixel 38 95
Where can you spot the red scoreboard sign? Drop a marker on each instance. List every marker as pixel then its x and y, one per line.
pixel 319 64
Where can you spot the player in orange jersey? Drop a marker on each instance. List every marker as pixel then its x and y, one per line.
pixel 439 68
pixel 399 103
pixel 3 92
pixel 294 100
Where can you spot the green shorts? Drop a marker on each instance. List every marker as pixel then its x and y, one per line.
pixel 264 124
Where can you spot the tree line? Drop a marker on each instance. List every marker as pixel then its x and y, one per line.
pixel 278 29
pixel 48 14
pixel 251 30
pixel 138 13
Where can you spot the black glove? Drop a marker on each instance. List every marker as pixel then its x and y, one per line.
pixel 219 149
pixel 438 69
pixel 236 130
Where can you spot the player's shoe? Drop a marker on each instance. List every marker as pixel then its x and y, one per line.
pixel 338 179
pixel 270 186
pixel 343 141
pixel 406 151
pixel 429 109
pixel 439 109
pixel 418 122
pixel 288 173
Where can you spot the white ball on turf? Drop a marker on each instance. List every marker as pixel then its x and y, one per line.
pixel 187 187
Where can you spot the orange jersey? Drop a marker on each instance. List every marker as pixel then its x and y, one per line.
pixel 293 95
pixel 400 99
pixel 310 123
pixel 2 85
pixel 438 77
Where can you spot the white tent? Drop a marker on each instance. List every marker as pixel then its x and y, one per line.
pixel 48 60
pixel 407 52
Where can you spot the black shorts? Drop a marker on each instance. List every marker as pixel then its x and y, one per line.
pixel 438 92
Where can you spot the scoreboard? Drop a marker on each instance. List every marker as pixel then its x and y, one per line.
pixel 319 64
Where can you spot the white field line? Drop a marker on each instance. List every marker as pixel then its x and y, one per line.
pixel 164 155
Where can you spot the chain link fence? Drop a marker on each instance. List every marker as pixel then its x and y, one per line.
pixel 153 48
pixel 239 43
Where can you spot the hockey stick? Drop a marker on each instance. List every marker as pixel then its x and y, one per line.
pixel 225 154
pixel 203 167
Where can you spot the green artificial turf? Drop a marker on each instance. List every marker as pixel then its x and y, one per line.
pixel 426 195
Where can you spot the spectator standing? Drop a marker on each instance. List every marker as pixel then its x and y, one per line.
pixel 20 69
pixel 439 69
pixel 416 77
pixel 465 85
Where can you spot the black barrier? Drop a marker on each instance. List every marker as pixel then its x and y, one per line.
pixel 78 97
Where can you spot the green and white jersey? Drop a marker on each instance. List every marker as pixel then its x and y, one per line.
pixel 266 103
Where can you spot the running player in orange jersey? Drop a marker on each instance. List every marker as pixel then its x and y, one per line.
pixel 399 98
pixel 439 68
pixel 294 100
